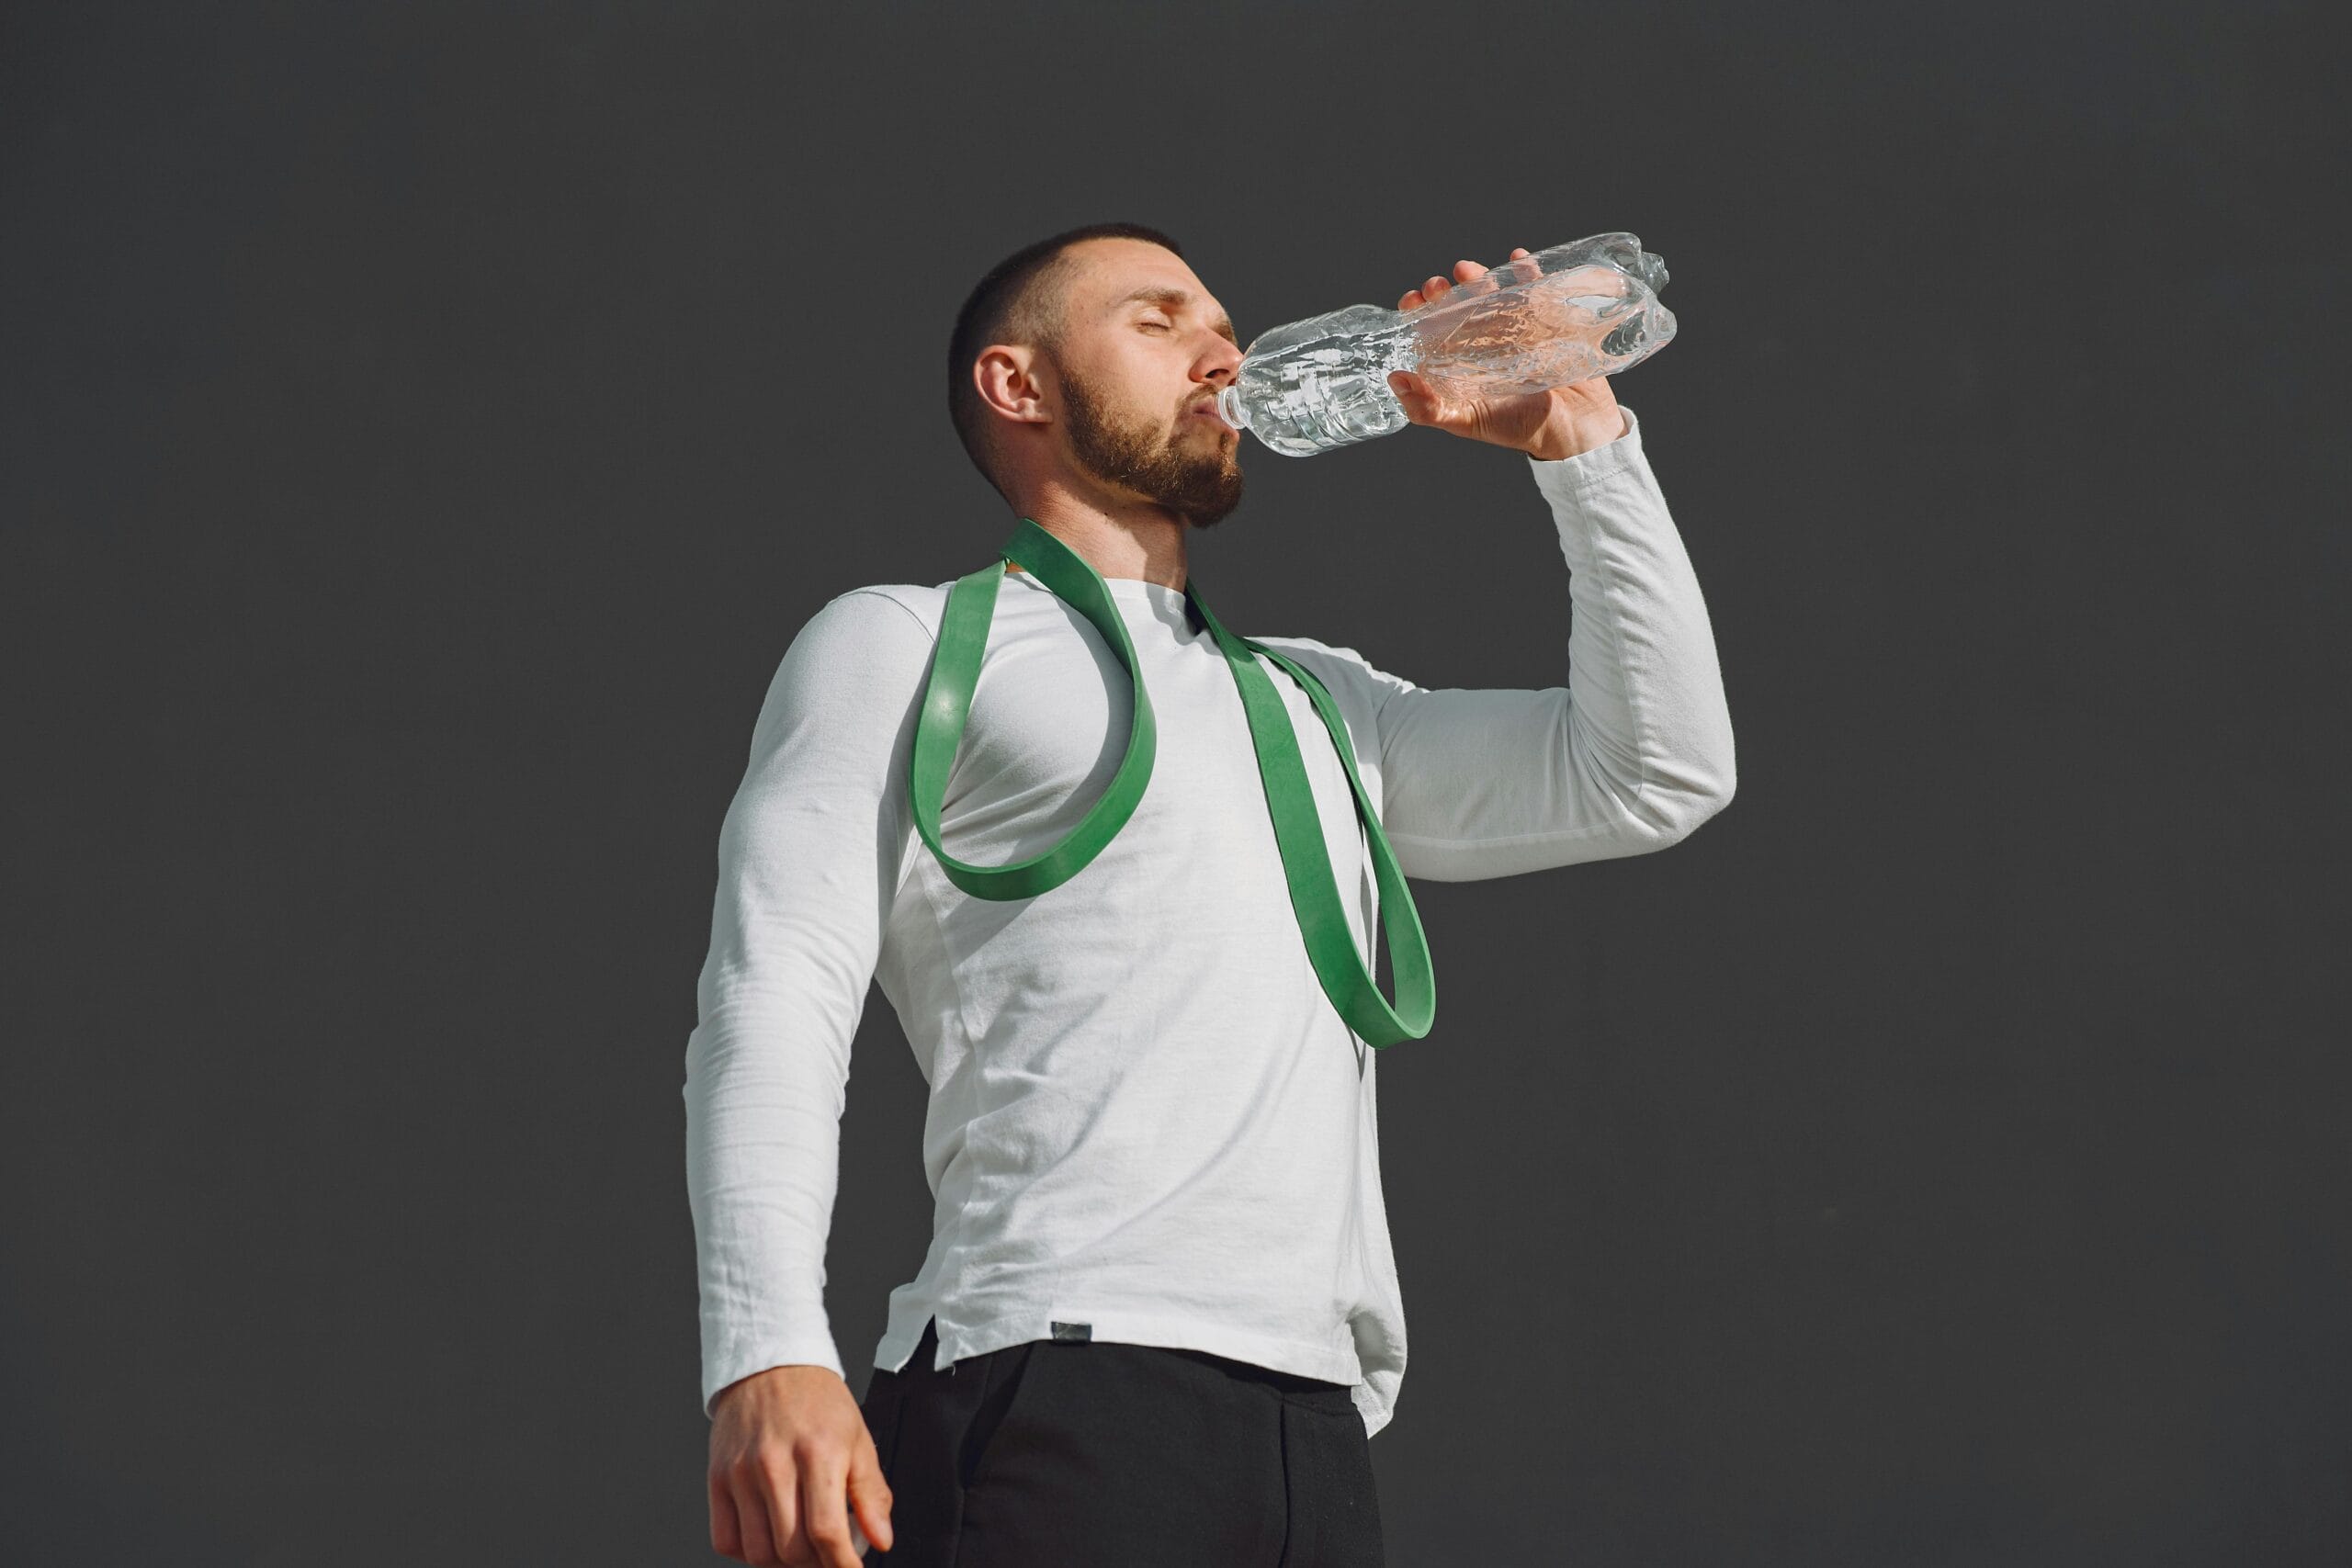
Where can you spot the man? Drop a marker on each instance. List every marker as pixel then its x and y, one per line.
pixel 1159 1321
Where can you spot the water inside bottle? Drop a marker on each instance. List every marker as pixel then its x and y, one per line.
pixel 1568 314
pixel 1323 381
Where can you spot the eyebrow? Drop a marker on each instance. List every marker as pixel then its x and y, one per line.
pixel 1161 294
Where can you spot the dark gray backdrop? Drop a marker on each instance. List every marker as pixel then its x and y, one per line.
pixel 425 426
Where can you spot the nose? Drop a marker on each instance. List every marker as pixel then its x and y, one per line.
pixel 1223 363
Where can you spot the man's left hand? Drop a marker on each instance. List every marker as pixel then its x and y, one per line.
pixel 1560 421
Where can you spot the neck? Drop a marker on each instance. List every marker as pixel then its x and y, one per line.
pixel 1141 540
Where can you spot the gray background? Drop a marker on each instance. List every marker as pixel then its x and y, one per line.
pixel 425 426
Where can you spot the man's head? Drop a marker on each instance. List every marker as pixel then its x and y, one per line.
pixel 1082 359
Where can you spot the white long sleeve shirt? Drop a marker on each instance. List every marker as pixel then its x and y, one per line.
pixel 1145 1115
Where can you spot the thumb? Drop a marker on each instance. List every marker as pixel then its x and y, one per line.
pixel 869 1498
pixel 1419 399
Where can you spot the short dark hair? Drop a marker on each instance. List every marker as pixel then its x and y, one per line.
pixel 1021 300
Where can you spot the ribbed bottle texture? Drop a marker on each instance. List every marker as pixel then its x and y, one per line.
pixel 1589 308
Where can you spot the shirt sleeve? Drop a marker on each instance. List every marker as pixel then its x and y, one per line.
pixel 809 855
pixel 1631 755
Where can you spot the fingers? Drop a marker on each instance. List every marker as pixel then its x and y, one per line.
pixel 757 1533
pixel 1435 287
pixel 824 1516
pixel 725 1530
pixel 1429 293
pixel 789 1510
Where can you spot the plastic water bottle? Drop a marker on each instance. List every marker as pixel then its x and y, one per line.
pixel 1589 308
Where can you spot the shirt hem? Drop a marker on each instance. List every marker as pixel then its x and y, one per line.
pixel 1337 1363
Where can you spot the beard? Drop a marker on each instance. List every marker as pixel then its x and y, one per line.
pixel 1202 486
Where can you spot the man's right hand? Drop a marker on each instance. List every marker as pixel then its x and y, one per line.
pixel 789 1458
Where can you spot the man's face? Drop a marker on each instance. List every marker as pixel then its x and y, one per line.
pixel 1144 349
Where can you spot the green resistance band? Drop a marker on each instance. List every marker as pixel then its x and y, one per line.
pixel 1298 828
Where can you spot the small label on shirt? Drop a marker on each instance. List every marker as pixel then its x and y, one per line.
pixel 1072 1330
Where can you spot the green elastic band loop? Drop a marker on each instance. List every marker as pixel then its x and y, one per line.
pixel 1290 800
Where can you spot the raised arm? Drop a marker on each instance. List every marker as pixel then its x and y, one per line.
pixel 1631 755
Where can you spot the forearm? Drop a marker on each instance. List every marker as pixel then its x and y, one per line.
pixel 763 1106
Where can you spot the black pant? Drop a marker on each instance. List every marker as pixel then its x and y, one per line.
pixel 1098 1454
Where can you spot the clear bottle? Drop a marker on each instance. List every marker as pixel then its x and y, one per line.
pixel 1589 308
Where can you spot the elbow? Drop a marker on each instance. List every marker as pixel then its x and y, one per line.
pixel 1714 800
pixel 1675 802
pixel 1702 780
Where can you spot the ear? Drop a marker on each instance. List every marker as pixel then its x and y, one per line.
pixel 1009 381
